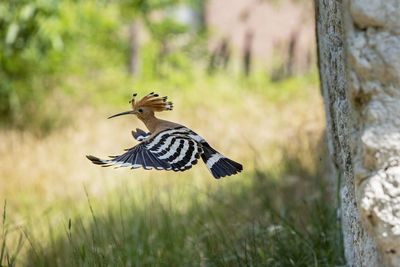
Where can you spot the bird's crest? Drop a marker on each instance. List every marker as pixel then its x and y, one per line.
pixel 153 101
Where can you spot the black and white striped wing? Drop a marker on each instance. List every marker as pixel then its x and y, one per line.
pixel 216 163
pixel 170 149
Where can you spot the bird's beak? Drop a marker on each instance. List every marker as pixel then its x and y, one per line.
pixel 123 113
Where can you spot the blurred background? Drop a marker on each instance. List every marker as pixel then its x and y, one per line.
pixel 241 73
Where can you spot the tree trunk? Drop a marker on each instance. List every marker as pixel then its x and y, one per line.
pixel 247 52
pixel 134 49
pixel 359 65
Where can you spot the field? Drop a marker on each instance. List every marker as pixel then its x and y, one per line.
pixel 66 65
pixel 60 210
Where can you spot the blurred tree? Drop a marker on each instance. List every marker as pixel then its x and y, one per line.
pixel 163 21
pixel 27 35
pixel 220 56
pixel 290 62
pixel 71 45
pixel 134 49
pixel 247 52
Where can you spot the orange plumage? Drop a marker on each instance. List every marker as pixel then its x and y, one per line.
pixel 152 101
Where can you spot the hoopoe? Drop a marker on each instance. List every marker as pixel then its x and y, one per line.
pixel 167 145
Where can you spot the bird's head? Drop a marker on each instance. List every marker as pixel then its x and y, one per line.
pixel 146 106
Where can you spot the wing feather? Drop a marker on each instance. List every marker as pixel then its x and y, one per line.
pixel 170 149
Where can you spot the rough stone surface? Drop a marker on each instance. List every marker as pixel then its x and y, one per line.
pixel 373 50
pixel 359 62
pixel 360 248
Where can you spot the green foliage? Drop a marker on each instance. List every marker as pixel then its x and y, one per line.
pixel 67 47
pixel 28 36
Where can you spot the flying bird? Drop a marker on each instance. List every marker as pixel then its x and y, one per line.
pixel 167 145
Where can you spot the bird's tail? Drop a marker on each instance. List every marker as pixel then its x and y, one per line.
pixel 218 164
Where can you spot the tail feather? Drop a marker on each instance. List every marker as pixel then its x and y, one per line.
pixel 96 160
pixel 219 165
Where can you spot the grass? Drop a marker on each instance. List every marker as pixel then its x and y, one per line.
pixel 62 211
pixel 253 221
pixel 258 219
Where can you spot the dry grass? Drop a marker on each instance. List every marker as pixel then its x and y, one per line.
pixel 56 165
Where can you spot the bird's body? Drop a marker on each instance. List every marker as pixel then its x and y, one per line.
pixel 168 145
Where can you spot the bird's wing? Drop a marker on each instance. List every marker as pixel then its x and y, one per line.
pixel 216 163
pixel 171 149
pixel 140 135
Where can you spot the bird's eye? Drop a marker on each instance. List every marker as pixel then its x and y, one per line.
pixel 140 110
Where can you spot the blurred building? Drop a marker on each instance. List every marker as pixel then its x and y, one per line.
pixel 278 34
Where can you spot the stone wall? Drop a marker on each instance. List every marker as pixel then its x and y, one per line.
pixel 345 125
pixel 373 69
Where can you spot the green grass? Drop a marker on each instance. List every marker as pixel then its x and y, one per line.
pixel 258 218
